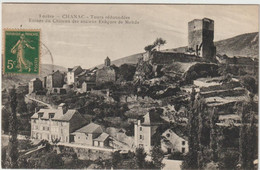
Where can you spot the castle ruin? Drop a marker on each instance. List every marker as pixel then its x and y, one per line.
pixel 200 38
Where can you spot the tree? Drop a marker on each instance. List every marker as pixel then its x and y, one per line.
pixel 140 156
pixel 32 107
pixel 249 83
pixel 200 107
pixel 12 152
pixel 191 159
pixel 159 42
pixel 149 48
pixel 248 138
pixel 5 120
pixel 126 72
pixel 50 161
pixel 21 106
pixel 213 135
pixel 157 157
pixel 116 158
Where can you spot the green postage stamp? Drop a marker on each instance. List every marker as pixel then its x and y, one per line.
pixel 21 51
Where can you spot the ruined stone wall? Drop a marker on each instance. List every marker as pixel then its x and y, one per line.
pixel 201 35
pixel 86 154
pixel 169 58
pixel 195 33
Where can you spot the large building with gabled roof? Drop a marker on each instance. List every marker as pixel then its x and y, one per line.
pixel 52 124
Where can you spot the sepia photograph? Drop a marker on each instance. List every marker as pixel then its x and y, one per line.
pixel 129 86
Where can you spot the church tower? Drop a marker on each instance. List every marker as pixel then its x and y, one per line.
pixel 107 62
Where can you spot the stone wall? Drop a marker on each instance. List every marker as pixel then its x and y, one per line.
pixel 170 57
pixel 86 154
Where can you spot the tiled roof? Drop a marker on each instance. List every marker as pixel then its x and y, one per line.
pixel 83 73
pixel 68 115
pixel 152 118
pixel 46 112
pixel 75 68
pixel 102 137
pixel 58 114
pixel 172 134
pixel 35 79
pixel 90 129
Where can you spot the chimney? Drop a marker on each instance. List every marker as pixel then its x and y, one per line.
pixel 63 107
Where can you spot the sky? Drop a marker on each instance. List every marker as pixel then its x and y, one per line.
pixel 88 44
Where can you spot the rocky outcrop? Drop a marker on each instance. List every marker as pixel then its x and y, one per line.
pixel 200 70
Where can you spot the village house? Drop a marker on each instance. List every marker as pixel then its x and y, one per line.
pixel 54 80
pixel 171 142
pixel 51 124
pixel 72 74
pixel 92 135
pixel 87 86
pixel 145 128
pixel 35 85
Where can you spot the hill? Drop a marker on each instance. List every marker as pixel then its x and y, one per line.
pixel 132 59
pixel 10 80
pixel 241 45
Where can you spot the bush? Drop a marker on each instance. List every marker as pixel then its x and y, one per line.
pixel 176 156
pixel 212 166
pixel 229 160
pixel 126 72
pixel 249 83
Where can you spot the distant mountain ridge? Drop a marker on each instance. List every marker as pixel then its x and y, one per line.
pixel 246 45
pixel 10 80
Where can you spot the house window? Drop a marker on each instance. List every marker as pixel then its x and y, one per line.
pixel 141 128
pixel 168 135
pixel 51 115
pixel 34 121
pixel 43 128
pixel 183 150
pixel 141 137
pixel 40 115
pixel 183 142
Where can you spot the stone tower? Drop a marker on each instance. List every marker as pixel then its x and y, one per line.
pixel 201 36
pixel 107 62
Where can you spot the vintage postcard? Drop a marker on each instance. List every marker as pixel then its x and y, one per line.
pixel 129 86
